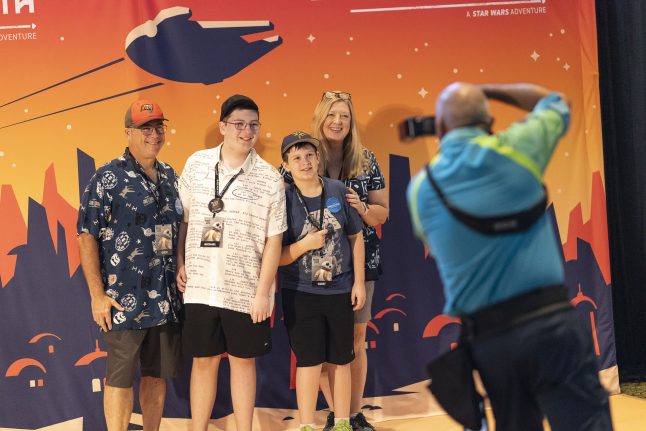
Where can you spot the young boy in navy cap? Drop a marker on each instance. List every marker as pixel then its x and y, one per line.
pixel 321 278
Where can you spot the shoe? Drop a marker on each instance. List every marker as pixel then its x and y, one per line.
pixel 307 428
pixel 342 425
pixel 329 422
pixel 360 423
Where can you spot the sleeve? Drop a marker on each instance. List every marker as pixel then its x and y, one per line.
pixel 287 177
pixel 277 217
pixel 288 238
pixel 536 136
pixel 412 196
pixel 376 179
pixel 354 223
pixel 95 210
pixel 185 189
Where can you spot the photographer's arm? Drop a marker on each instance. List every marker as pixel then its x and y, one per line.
pixel 521 95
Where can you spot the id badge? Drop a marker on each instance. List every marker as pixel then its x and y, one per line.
pixel 163 239
pixel 212 232
pixel 323 268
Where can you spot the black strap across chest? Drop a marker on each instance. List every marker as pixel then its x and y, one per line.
pixel 500 224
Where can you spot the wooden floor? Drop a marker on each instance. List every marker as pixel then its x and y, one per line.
pixel 628 414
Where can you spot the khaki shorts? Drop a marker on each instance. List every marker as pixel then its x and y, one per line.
pixel 157 350
pixel 364 315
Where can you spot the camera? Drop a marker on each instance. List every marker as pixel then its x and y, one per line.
pixel 413 127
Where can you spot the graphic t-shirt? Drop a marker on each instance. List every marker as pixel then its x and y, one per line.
pixel 370 179
pixel 328 270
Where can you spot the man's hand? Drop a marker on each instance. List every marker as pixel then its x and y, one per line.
pixel 181 277
pixel 314 240
pixel 260 308
pixel 358 296
pixel 101 311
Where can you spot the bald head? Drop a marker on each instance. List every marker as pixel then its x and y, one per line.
pixel 461 104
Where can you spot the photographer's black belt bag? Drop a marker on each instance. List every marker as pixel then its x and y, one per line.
pixel 451 374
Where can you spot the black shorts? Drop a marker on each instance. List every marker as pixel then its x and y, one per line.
pixel 320 327
pixel 211 331
pixel 157 350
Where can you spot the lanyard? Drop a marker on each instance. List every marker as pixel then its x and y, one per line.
pixel 217 204
pixel 312 220
pixel 155 191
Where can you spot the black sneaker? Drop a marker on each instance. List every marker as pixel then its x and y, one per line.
pixel 329 422
pixel 359 423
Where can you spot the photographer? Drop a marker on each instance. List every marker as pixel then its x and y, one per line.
pixel 480 207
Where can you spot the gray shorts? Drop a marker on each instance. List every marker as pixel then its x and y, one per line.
pixel 364 315
pixel 157 350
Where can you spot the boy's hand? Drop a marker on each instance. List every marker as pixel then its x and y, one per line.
pixel 358 296
pixel 260 308
pixel 181 278
pixel 315 239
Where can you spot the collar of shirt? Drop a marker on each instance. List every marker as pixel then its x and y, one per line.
pixel 247 166
pixel 135 166
pixel 461 135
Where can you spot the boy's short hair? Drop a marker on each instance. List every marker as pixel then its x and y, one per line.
pixel 237 101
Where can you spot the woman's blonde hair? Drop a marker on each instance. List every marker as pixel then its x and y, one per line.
pixel 352 148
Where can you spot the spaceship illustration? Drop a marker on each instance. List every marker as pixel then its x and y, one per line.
pixel 173 47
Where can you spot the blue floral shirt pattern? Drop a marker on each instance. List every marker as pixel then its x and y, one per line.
pixel 120 208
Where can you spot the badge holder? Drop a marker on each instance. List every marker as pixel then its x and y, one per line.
pixel 163 239
pixel 323 269
pixel 212 232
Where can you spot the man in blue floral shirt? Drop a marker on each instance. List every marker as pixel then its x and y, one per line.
pixel 127 229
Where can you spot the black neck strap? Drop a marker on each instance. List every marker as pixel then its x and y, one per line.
pixel 506 223
pixel 312 220
pixel 156 191
pixel 219 195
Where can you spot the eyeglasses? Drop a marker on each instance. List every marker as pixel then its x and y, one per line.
pixel 148 130
pixel 254 126
pixel 336 95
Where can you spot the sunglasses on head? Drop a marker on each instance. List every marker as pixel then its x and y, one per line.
pixel 336 95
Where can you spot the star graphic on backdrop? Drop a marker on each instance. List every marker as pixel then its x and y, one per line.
pixel 535 55
pixel 422 92
pixel 566 66
pixel 311 38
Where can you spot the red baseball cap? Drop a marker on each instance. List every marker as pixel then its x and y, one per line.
pixel 143 111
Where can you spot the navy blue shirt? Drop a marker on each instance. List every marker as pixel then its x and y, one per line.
pixel 370 179
pixel 341 220
pixel 120 208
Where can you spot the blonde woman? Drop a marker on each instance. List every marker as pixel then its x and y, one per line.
pixel 344 158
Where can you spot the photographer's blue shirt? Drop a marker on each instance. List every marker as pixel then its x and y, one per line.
pixel 120 208
pixel 489 175
pixel 341 220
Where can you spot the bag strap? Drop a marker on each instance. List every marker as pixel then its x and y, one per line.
pixel 500 224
